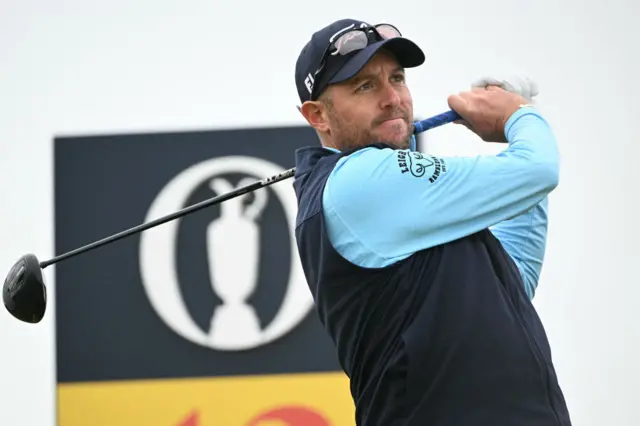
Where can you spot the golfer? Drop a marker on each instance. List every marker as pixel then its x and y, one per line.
pixel 423 268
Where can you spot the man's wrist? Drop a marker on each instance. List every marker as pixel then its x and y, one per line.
pixel 521 111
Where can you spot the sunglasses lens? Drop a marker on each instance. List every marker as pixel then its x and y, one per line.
pixel 387 31
pixel 353 40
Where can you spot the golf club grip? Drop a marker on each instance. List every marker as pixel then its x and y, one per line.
pixel 436 121
pixel 195 207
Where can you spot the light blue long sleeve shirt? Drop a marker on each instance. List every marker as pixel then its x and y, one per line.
pixel 383 205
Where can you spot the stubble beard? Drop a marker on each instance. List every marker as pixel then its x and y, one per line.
pixel 348 137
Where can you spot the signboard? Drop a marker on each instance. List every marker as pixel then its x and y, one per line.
pixel 274 400
pixel 206 320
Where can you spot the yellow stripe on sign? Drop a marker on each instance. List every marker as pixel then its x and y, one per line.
pixel 321 399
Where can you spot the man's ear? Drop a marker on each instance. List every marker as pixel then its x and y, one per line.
pixel 315 114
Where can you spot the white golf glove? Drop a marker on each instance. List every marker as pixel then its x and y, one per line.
pixel 521 85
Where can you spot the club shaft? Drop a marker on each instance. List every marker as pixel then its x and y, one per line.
pixel 183 212
pixel 420 126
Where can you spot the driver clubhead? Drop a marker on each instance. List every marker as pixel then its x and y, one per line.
pixel 24 292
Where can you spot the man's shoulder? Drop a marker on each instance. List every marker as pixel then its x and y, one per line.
pixel 357 177
pixel 358 165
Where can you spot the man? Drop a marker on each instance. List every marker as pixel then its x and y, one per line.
pixel 423 268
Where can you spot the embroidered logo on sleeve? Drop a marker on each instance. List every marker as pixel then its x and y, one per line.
pixel 420 165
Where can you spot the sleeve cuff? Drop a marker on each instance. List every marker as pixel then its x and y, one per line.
pixel 526 109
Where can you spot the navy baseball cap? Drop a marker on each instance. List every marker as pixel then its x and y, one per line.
pixel 342 67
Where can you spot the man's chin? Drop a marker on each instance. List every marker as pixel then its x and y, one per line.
pixel 398 140
pixel 404 144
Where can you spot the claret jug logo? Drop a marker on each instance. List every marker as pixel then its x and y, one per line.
pixel 233 253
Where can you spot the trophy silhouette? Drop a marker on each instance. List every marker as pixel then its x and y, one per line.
pixel 233 253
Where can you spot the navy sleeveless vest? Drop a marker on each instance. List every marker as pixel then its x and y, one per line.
pixel 447 336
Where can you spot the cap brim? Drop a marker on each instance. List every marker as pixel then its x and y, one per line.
pixel 407 53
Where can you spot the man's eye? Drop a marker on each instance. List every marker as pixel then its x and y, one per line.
pixel 364 86
pixel 399 77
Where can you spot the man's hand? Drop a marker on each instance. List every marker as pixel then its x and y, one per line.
pixel 486 111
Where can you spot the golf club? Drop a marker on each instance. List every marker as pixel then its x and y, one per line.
pixel 24 292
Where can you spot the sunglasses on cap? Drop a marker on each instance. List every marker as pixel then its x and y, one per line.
pixel 351 40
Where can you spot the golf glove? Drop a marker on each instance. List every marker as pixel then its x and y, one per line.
pixel 523 86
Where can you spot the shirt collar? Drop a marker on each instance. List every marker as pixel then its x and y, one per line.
pixel 412 146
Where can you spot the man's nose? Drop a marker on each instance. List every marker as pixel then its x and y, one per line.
pixel 390 96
